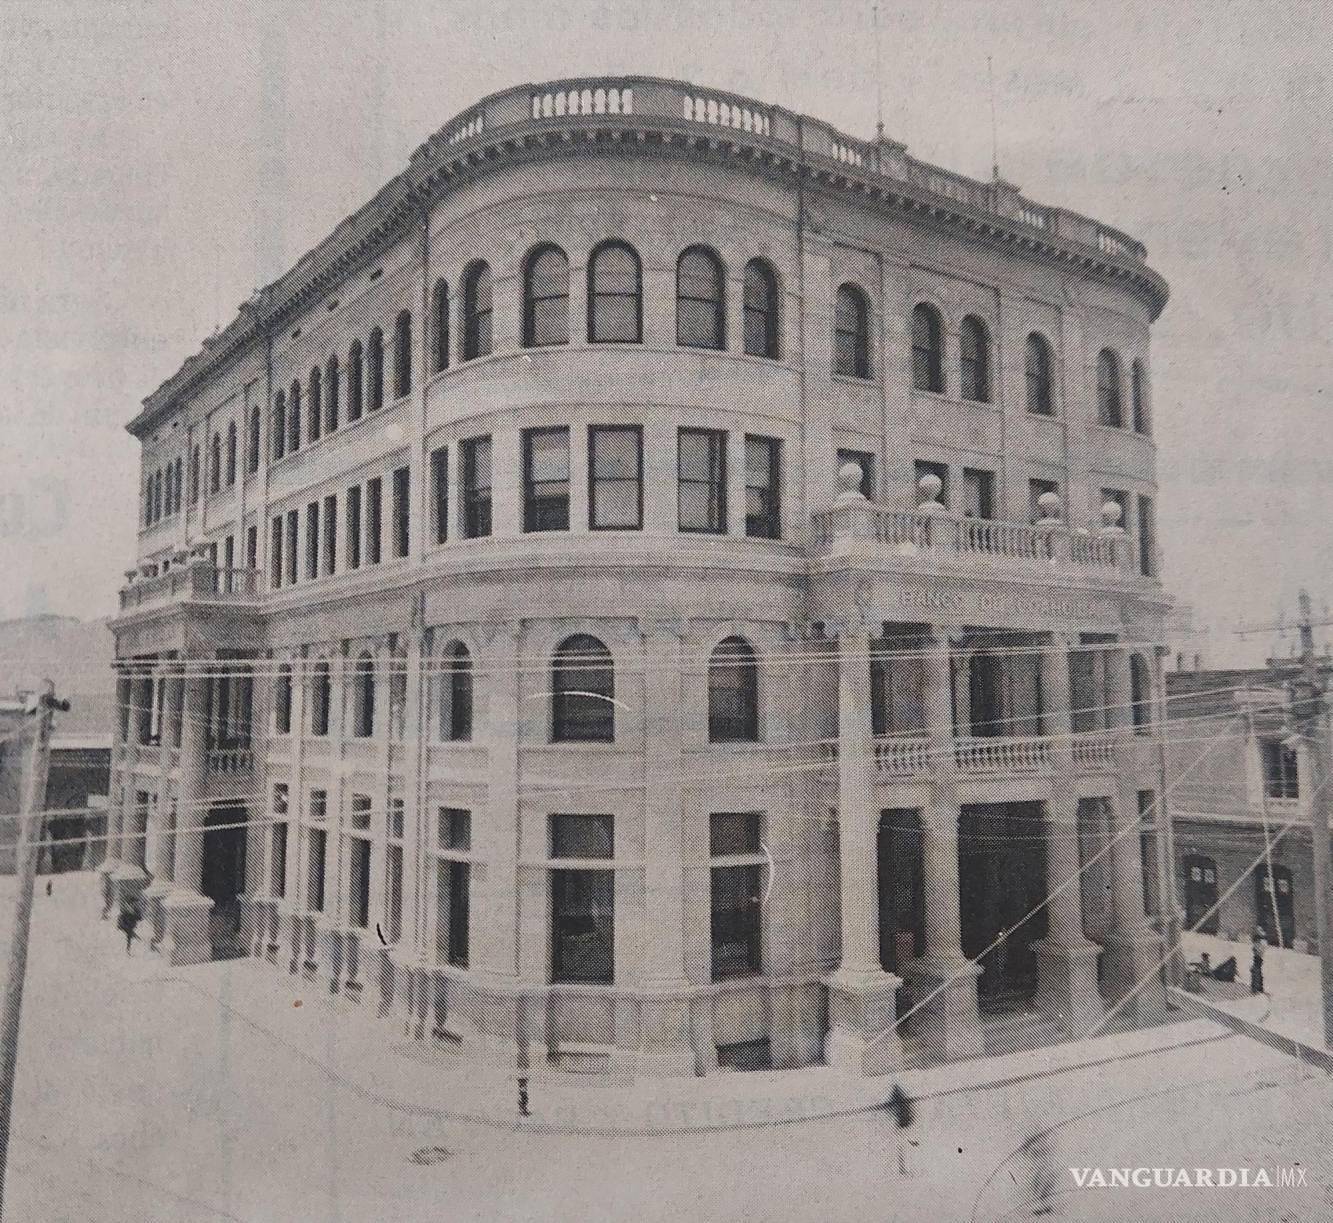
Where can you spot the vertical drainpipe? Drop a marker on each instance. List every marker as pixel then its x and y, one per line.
pixel 419 596
pixel 800 286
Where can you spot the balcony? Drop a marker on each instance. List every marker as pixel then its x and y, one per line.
pixel 900 757
pixel 223 761
pixel 934 534
pixel 198 581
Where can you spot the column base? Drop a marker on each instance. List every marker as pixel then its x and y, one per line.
pixel 1068 993
pixel 1130 959
pixel 107 871
pixel 665 1049
pixel 153 896
pixel 188 927
pixel 949 1023
pixel 863 1038
pixel 127 883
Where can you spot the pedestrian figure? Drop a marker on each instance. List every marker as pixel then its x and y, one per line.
pixel 523 1110
pixel 128 921
pixel 1257 946
pixel 48 887
pixel 899 1104
pixel 1041 1163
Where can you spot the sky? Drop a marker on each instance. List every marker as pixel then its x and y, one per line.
pixel 164 160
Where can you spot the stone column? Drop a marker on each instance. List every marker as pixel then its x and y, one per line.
pixel 944 979
pixel 1068 993
pixel 665 1047
pixel 159 851
pixel 122 771
pixel 1133 948
pixel 862 1034
pixel 187 909
pixel 129 878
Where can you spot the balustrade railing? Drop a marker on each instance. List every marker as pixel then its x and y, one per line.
pixel 193 580
pixel 1007 755
pixel 231 760
pixel 1094 750
pixel 902 755
pixel 908 533
pixel 679 100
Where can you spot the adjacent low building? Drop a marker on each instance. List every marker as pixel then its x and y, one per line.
pixel 665 585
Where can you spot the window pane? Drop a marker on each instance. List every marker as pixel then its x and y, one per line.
pixel 583 926
pixel 734 832
pixel 736 924
pixel 582 836
pixel 616 477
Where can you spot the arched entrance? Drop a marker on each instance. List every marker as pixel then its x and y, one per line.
pixel 1282 886
pixel 1200 894
pixel 223 878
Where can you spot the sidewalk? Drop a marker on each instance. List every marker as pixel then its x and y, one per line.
pixel 372 1057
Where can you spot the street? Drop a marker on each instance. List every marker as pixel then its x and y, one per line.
pixel 147 1093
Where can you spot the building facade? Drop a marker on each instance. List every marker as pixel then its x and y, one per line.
pixel 1240 813
pixel 668 585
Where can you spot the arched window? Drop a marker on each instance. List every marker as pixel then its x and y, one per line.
pixel 615 295
pixel 363 697
pixel 1110 406
pixel 927 349
pixel 1038 370
pixel 294 417
pixel 851 333
pixel 476 311
pixel 1138 399
pixel 157 495
pixel 331 394
pixel 456 694
pixel 700 316
pixel 231 453
pixel 321 699
pixel 180 482
pixel 583 692
pixel 196 474
pixel 440 327
pixel 761 310
pixel 354 383
pixel 375 359
pixel 279 428
pixel 215 464
pixel 545 297
pixel 254 441
pixel 733 693
pixel 402 354
pixel 315 405
pixel 1140 694
pixel 170 492
pixel 282 701
pixel 974 343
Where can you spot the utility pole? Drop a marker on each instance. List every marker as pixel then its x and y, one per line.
pixel 1310 714
pixel 29 849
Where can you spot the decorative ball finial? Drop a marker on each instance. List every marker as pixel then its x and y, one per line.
pixel 1112 513
pixel 930 486
pixel 849 482
pixel 1049 505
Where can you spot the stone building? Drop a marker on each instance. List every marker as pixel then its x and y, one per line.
pixel 1240 813
pixel 666 584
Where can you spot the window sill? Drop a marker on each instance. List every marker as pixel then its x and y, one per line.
pixel 855 380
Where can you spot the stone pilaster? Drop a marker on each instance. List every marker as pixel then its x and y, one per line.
pixel 187 910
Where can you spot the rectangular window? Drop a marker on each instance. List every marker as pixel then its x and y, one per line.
pixel 374 505
pixel 582 901
pixel 702 472
pixel 734 832
pixel 866 462
pixel 358 907
pixel 361 812
pixel 354 527
pixel 318 806
pixel 393 892
pixel 763 487
pixel 277 886
pixel 228 556
pixel 393 823
pixel 1280 775
pixel 319 842
pixel 737 890
pixel 330 535
pixel 312 541
pixel 402 511
pixel 615 474
pixel 1037 489
pixel 452 913
pixel 293 546
pixel 439 490
pixel 978 493
pixel 923 469
pixel 546 479
pixel 252 548
pixel 1147 538
pixel 275 575
pixel 455 831
pixel 476 456
pixel 280 793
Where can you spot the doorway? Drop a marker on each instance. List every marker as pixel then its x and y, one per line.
pixel 1201 894
pixel 902 906
pixel 223 878
pixel 1282 887
pixel 1002 886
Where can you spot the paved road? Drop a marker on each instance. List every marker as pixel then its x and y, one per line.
pixel 142 1099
